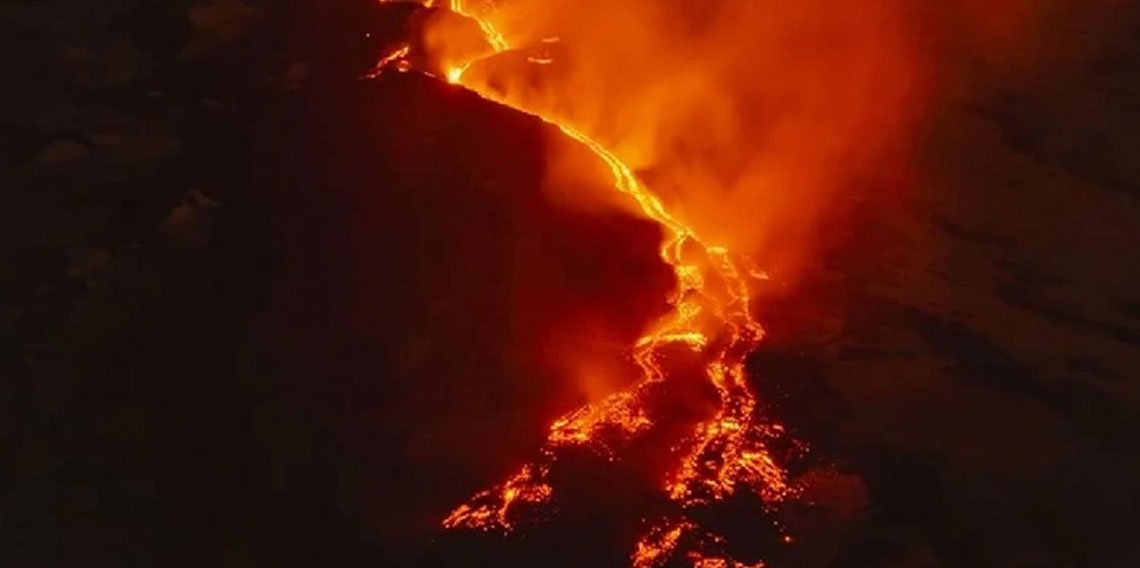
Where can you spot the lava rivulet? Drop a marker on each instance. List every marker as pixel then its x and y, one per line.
pixel 710 317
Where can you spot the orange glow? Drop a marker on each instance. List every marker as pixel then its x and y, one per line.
pixel 582 425
pixel 490 509
pixel 492 35
pixel 661 542
pixel 454 74
pixel 710 315
pixel 657 545
pixel 396 57
pixel 749 119
pixel 716 562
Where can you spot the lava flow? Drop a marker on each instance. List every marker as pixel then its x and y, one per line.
pixel 710 316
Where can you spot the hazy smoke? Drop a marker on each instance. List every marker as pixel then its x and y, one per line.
pixel 749 116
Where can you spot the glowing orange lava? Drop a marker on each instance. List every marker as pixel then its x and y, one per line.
pixel 660 543
pixel 710 315
pixel 397 58
pixel 655 547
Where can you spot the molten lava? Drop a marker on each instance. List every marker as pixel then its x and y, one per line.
pixel 747 118
pixel 710 316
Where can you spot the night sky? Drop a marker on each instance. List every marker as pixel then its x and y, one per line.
pixel 257 312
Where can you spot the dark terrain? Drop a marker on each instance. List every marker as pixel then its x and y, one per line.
pixel 254 311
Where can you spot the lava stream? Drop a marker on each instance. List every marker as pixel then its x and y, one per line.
pixel 710 314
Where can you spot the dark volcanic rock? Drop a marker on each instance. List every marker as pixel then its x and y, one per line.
pixel 433 291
